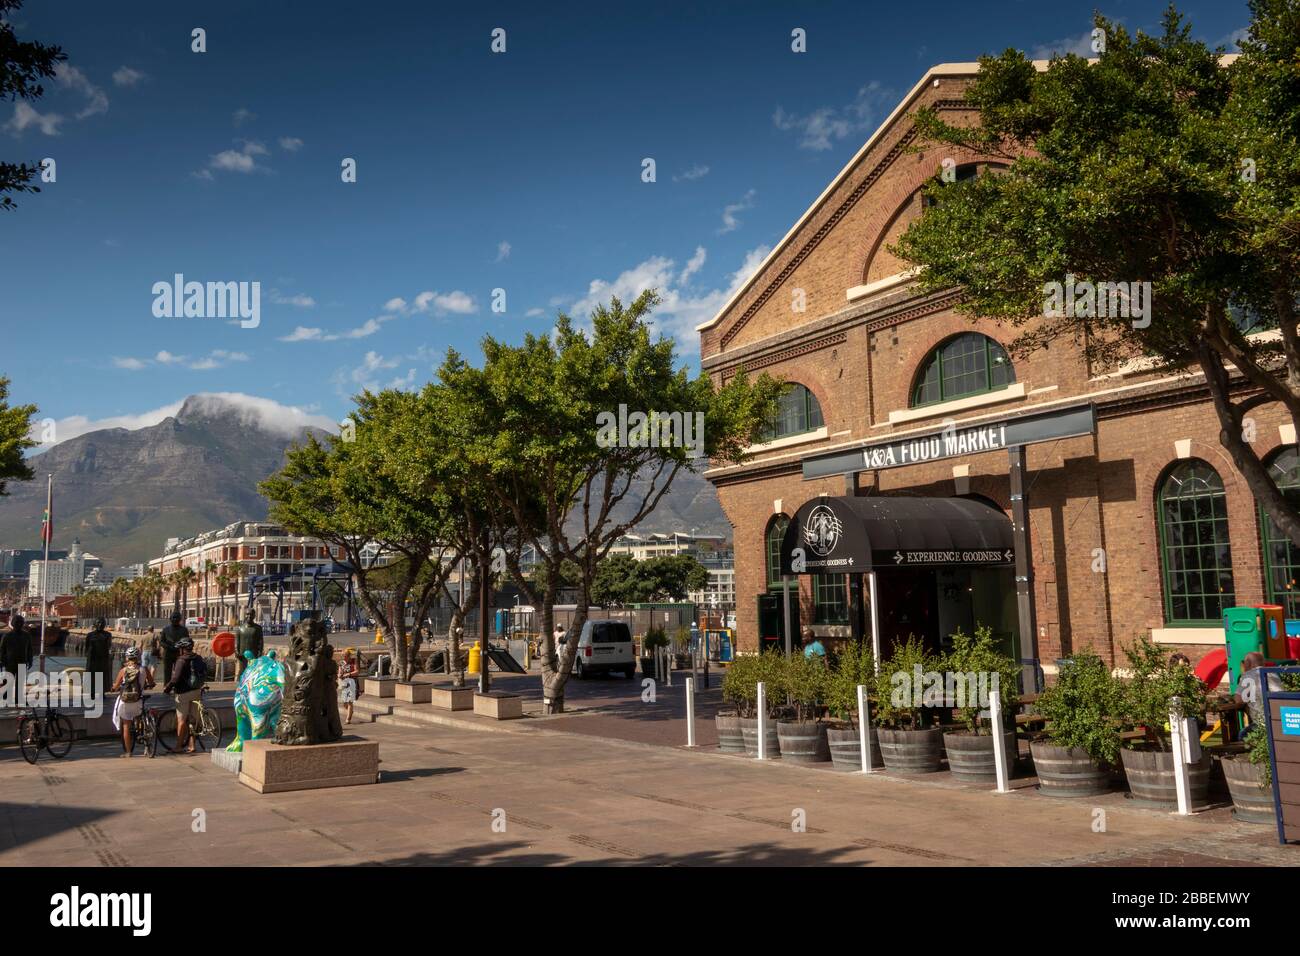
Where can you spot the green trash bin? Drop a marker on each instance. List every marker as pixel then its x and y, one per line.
pixel 1244 628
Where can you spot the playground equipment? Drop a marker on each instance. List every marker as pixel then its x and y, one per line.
pixel 1250 630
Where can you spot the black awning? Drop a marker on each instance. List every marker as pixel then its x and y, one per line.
pixel 852 534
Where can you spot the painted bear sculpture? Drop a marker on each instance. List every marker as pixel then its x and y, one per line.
pixel 258 699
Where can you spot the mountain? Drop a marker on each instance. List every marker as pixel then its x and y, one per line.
pixel 691 502
pixel 124 492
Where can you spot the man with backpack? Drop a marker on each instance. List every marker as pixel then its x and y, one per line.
pixel 186 683
pixel 131 683
pixel 170 640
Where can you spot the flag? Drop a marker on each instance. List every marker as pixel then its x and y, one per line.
pixel 47 522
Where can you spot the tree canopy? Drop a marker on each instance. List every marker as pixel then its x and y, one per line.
pixel 23 64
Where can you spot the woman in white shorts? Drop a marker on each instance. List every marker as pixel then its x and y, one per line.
pixel 131 683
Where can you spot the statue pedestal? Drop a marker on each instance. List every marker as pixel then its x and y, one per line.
pixel 274 768
pixel 499 705
pixel 453 698
pixel 380 686
pixel 414 693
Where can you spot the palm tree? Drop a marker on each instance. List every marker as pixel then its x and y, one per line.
pixel 183 578
pixel 208 568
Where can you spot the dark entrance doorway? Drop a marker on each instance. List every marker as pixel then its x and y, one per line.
pixel 933 604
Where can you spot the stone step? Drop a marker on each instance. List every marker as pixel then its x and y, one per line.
pixel 371 705
pixel 395 720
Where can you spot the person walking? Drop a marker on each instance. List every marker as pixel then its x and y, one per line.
pixel 15 646
pixel 171 636
pixel 99 654
pixel 131 683
pixel 185 685
pixel 811 645
pixel 149 656
pixel 349 672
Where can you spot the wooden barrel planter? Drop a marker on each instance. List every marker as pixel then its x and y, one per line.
pixel 1068 771
pixel 803 741
pixel 1252 798
pixel 1150 775
pixel 846 750
pixel 730 739
pixel 970 756
pixel 911 751
pixel 749 734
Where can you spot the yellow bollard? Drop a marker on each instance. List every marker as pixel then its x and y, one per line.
pixel 379 635
pixel 475 656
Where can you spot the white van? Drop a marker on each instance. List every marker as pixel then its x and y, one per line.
pixel 604 647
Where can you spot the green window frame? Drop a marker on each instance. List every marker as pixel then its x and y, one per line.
pixel 830 599
pixel 966 364
pixel 772 548
pixel 1195 551
pixel 1281 556
pixel 797 412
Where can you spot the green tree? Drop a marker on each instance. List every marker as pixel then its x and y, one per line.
pixel 534 417
pixel 23 64
pixel 15 429
pixel 1162 163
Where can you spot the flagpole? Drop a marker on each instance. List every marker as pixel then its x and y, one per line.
pixel 46 532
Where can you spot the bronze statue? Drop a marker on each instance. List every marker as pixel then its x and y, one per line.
pixel 99 653
pixel 171 635
pixel 308 669
pixel 248 637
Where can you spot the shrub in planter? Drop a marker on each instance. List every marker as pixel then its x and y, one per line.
pixel 977 677
pixel 1155 680
pixel 908 744
pixel 856 665
pixel 740 688
pixel 682 647
pixel 1083 710
pixel 654 639
pixel 1250 779
pixel 803 681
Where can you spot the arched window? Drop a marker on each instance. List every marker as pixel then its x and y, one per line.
pixel 1192 512
pixel 797 412
pixel 966 364
pixel 1281 556
pixel 775 532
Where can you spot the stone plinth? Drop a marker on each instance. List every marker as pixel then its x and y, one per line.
pixel 380 686
pixel 274 768
pixel 499 705
pixel 453 698
pixel 414 693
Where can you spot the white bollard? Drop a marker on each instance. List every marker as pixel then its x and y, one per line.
pixel 1000 755
pixel 1182 755
pixel 668 666
pixel 762 721
pixel 690 712
pixel 864 730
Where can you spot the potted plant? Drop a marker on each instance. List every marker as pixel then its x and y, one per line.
pixel 1155 680
pixel 739 695
pixel 1081 751
pixel 803 681
pixel 908 744
pixel 979 677
pixel 682 648
pixel 1250 779
pixel 762 668
pixel 855 666
pixel 654 639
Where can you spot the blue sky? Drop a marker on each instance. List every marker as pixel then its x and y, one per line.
pixel 475 171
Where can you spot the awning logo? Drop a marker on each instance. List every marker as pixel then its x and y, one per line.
pixel 822 530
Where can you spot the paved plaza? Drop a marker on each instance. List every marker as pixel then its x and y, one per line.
pixel 586 788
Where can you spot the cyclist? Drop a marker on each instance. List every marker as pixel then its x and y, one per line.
pixel 131 683
pixel 185 685
pixel 170 639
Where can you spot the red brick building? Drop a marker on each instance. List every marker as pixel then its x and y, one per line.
pixel 1140 526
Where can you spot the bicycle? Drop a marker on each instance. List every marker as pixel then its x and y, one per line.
pixel 144 727
pixel 50 730
pixel 204 724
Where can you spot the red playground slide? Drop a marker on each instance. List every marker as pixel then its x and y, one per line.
pixel 1212 667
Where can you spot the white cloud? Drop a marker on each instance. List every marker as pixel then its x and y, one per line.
pixel 242 116
pixel 71 78
pixel 241 160
pixel 290 144
pixel 534 313
pixel 729 221
pixel 214 359
pixel 820 129
pixel 503 250
pixel 682 307
pixel 395 304
pixel 299 301
pixel 1080 45
pixel 167 358
pixel 693 266
pixel 1232 42
pixel 125 76
pixel 695 172
pixel 302 334
pixel 455 302
pixel 24 116
pixel 264 413
pixel 130 364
